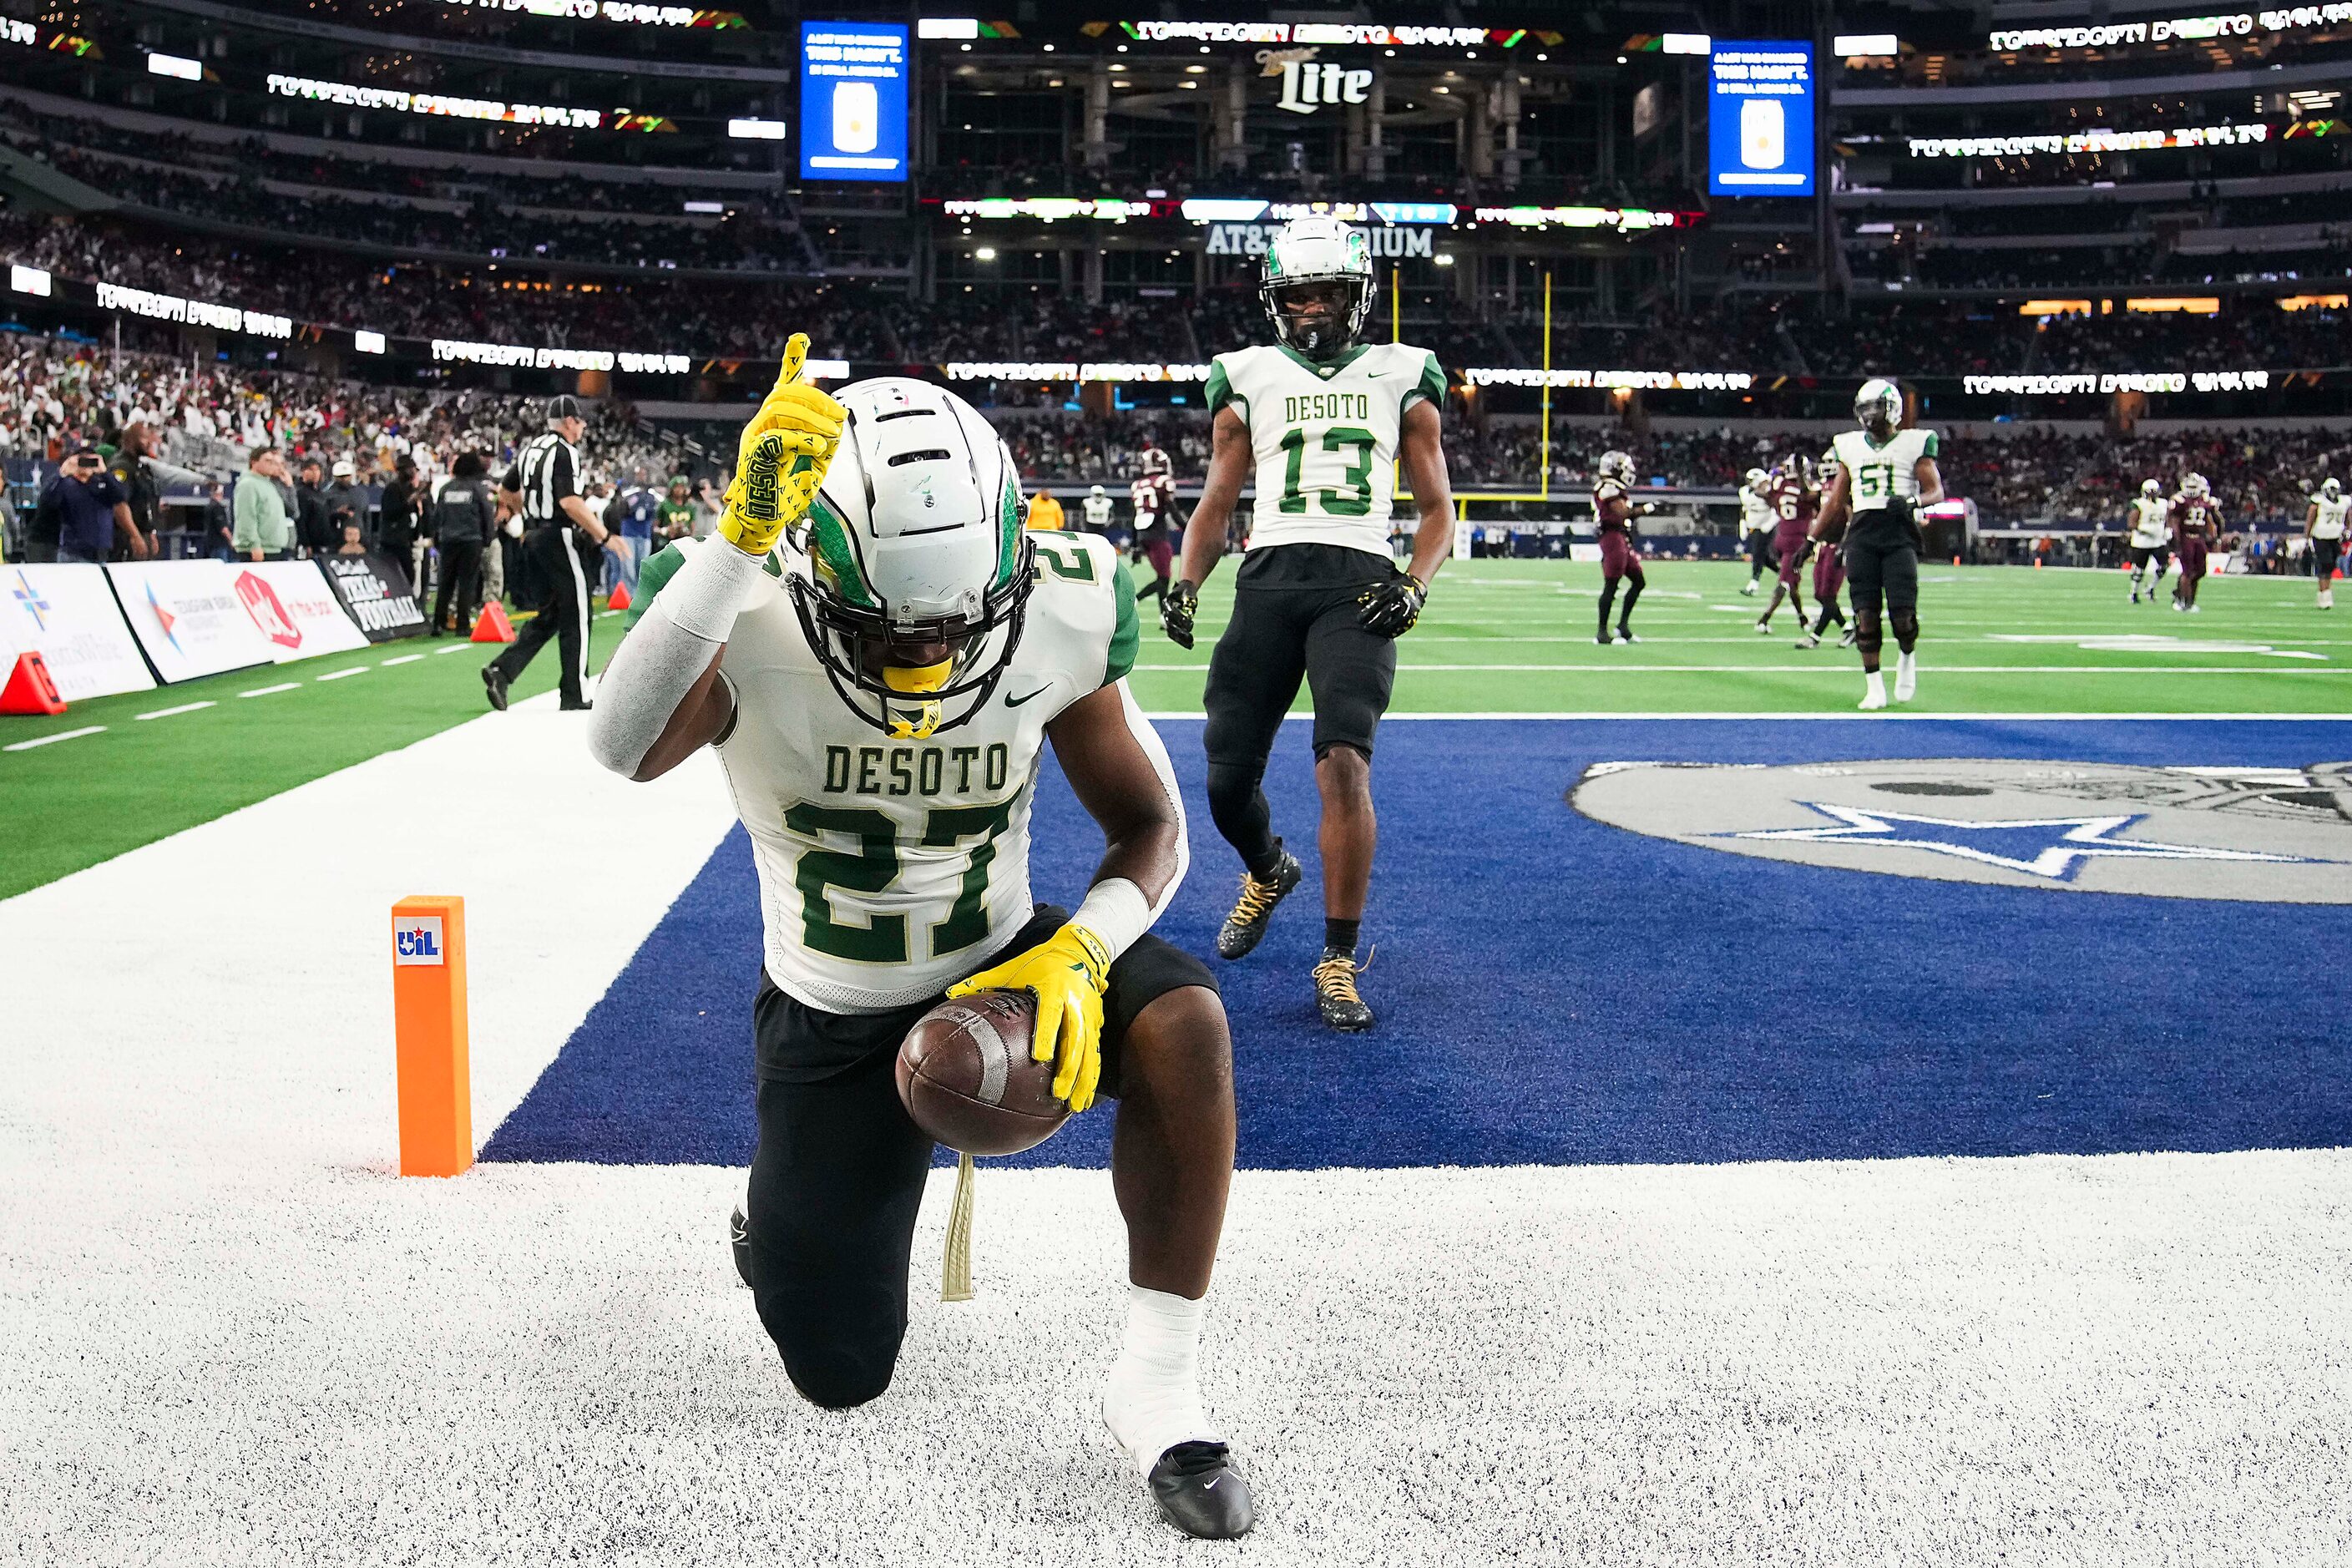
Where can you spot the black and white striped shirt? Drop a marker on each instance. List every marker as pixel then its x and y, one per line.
pixel 547 470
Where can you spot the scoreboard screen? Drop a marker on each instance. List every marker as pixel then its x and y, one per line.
pixel 853 102
pixel 1759 101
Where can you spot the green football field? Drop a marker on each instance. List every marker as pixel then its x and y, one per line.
pixel 1498 636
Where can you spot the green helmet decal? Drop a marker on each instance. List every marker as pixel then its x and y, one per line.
pixel 1008 531
pixel 835 558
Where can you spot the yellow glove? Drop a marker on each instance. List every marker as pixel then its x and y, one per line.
pixel 1066 974
pixel 781 459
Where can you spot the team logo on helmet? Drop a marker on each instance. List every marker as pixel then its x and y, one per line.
pixel 1309 251
pixel 2269 834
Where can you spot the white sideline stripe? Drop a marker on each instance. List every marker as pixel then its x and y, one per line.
pixel 403 659
pixel 53 740
pixel 339 674
pixel 167 713
pixel 267 691
pixel 452 647
pixel 1652 717
pixel 1843 669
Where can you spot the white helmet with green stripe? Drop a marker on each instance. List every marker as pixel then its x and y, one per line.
pixel 1316 286
pixel 912 572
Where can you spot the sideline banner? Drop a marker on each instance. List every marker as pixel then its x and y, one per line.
pixel 293 607
pixel 375 591
pixel 68 615
pixel 188 617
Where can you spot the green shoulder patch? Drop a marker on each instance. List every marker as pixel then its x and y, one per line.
pixel 1928 446
pixel 1124 634
pixel 1431 387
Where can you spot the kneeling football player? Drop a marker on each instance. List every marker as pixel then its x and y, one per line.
pixel 880 690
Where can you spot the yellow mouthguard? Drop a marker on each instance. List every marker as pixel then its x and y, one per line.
pixel 917 678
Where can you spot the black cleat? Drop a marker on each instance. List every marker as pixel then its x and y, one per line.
pixel 496 685
pixel 1246 925
pixel 1335 992
pixel 1201 1493
pixel 739 1241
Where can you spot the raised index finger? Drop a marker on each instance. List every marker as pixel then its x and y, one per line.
pixel 796 356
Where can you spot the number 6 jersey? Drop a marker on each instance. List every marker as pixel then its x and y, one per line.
pixel 1324 437
pixel 889 869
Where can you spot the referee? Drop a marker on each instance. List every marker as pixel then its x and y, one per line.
pixel 544 486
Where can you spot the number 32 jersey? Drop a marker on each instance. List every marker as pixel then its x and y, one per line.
pixel 1324 437
pixel 888 868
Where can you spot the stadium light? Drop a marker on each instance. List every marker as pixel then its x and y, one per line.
pixel 948 27
pixel 1865 46
pixel 178 65
pixel 28 280
pixel 1686 44
pixel 706 206
pixel 756 129
pixel 367 343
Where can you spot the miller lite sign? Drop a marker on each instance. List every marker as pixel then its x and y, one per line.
pixel 416 940
pixel 1307 86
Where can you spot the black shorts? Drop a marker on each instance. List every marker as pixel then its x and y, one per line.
pixel 1883 558
pixel 839 1175
pixel 1295 614
pixel 1760 552
pixel 2325 553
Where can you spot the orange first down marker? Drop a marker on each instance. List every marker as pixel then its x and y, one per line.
pixel 428 1011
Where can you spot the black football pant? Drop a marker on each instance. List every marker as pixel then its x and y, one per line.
pixel 461 569
pixel 564 616
pixel 839 1175
pixel 1296 615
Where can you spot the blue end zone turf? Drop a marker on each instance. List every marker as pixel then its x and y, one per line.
pixel 1556 991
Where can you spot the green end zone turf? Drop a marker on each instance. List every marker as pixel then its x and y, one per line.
pixel 1498 636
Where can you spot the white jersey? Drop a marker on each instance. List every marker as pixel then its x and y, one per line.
pixel 1325 437
pixel 1876 474
pixel 891 869
pixel 1097 512
pixel 2151 523
pixel 1755 513
pixel 2327 516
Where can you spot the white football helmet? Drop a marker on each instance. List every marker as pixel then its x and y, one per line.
pixel 2330 489
pixel 912 572
pixel 1615 465
pixel 1879 405
pixel 1155 463
pixel 1756 479
pixel 1095 493
pixel 1317 249
pixel 2195 486
pixel 2151 489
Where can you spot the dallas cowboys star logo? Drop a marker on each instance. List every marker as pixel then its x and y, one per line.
pixel 2050 847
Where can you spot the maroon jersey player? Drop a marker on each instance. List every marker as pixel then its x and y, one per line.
pixel 2195 523
pixel 1153 494
pixel 1790 496
pixel 1613 510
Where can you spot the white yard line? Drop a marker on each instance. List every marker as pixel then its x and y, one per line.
pixel 182 707
pixel 454 647
pixel 340 673
pixel 272 690
pixel 403 659
pixel 53 740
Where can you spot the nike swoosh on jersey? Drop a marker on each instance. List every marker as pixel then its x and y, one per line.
pixel 1017 701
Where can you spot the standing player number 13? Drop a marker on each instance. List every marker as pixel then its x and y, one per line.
pixel 1357 498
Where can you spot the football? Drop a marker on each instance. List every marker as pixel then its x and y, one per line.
pixel 965 1076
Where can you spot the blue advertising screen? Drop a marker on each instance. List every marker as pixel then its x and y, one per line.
pixel 1760 119
pixel 853 102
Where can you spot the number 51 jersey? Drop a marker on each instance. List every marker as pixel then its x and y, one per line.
pixel 1324 437
pixel 889 869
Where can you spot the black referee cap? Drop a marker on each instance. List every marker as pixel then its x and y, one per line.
pixel 562 406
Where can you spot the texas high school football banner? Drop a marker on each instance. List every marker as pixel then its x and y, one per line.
pixel 68 615
pixel 374 592
pixel 188 617
pixel 293 607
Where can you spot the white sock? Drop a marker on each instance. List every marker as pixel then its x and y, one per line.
pixel 1152 1400
pixel 1874 686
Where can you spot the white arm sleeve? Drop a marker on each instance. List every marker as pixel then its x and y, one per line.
pixel 1115 909
pixel 666 652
